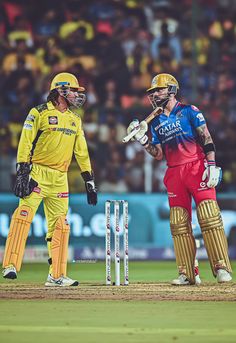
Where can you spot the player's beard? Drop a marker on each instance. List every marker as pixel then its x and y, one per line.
pixel 157 101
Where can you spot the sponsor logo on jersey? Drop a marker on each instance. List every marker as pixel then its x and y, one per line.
pixel 161 124
pixel 203 186
pixel 200 117
pixel 170 129
pixel 30 117
pixel 37 190
pixel 68 132
pixel 179 114
pixel 27 126
pixel 63 195
pixel 171 195
pixel 23 213
pixel 52 120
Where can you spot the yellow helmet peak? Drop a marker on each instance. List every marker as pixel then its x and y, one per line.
pixel 66 80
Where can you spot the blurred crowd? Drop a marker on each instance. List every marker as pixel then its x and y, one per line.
pixel 115 48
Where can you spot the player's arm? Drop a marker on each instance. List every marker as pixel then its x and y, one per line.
pixel 29 131
pixel 212 174
pixel 24 184
pixel 154 150
pixel 206 142
pixel 83 160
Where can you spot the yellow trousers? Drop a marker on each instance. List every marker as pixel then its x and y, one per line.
pixel 53 190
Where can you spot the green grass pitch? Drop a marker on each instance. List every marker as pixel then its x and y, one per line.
pixel 115 321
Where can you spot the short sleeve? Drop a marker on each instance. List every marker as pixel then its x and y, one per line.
pixel 196 117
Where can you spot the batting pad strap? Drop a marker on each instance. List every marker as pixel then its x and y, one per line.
pixel 184 242
pixel 211 224
pixel 17 236
pixel 59 247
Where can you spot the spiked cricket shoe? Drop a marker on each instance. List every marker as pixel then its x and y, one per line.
pixel 63 281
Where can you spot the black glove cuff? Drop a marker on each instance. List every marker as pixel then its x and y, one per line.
pixel 87 176
pixel 23 168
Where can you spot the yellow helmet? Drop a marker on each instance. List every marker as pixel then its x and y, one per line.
pixel 164 81
pixel 66 80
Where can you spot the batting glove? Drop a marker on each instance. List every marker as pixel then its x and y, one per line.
pixel 212 175
pixel 141 135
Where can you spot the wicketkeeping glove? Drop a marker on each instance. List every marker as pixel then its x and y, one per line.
pixel 143 128
pixel 212 175
pixel 24 184
pixel 90 188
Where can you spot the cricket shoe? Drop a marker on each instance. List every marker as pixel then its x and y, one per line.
pixel 182 280
pixel 223 276
pixel 9 272
pixel 62 281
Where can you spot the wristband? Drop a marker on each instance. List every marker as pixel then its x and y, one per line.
pixel 209 148
pixel 211 163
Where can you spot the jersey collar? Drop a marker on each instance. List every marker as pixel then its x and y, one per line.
pixel 175 108
pixel 173 111
pixel 52 107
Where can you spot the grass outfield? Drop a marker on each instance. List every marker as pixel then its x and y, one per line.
pixel 56 320
pixel 113 322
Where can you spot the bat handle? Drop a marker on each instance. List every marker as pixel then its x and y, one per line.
pixel 127 138
pixel 151 116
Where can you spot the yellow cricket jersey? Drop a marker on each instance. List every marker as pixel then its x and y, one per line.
pixel 49 137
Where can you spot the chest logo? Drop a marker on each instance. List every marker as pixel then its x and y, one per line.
pixel 72 123
pixel 52 120
pixel 179 114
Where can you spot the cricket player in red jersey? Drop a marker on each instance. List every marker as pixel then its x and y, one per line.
pixel 181 135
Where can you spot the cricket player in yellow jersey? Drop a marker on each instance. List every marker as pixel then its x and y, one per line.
pixel 52 132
